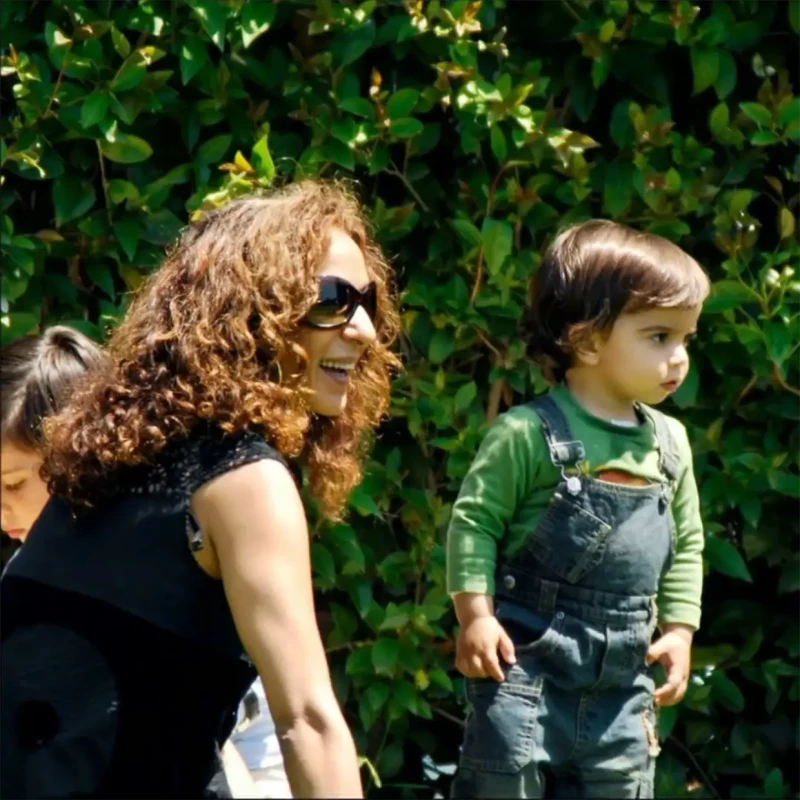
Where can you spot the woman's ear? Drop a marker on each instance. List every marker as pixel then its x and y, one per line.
pixel 585 346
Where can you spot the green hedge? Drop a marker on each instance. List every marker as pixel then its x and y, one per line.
pixel 474 131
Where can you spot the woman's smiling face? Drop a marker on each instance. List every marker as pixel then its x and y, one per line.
pixel 333 352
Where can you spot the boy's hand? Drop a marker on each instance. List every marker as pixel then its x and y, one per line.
pixel 674 652
pixel 477 648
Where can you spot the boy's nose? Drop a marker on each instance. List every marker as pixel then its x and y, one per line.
pixel 679 356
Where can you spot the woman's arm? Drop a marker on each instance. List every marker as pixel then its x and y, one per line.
pixel 254 519
pixel 240 781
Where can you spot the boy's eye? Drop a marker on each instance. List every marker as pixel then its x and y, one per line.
pixel 12 487
pixel 659 338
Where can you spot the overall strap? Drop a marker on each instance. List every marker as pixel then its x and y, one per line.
pixel 668 461
pixel 565 451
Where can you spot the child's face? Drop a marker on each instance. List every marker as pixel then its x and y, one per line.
pixel 645 356
pixel 23 494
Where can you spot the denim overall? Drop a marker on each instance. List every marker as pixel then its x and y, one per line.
pixel 575 716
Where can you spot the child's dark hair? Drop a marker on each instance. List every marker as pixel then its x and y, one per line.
pixel 592 273
pixel 37 376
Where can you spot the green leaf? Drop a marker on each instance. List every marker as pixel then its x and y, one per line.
pixel 380 159
pixel 349 45
pixel 323 563
pixel 405 127
pixel 600 69
pixel 764 138
pixel 719 119
pixel 119 191
pixel 211 14
pixel 126 149
pixel 193 57
pixel 499 144
pixel 667 717
pixel 790 112
pixel 55 37
pixel 94 108
pixel 773 784
pixel 359 106
pixel 758 113
pixel 467 231
pixel 726 692
pixel 127 231
pixel 725 558
pixel 120 42
pixel 498 239
pixel 739 200
pixel 100 275
pixel 72 197
pixel 726 81
pixel 618 188
pixel 212 151
pixel 361 595
pixel 261 160
pixel 705 68
pixel 786 223
pixel 780 340
pixel 16 325
pixel 338 152
pixel 401 103
pixel 256 19
pixel 620 128
pixel 441 346
pixel 133 68
pixel 385 653
pixel 377 694
pixel 161 227
pixel 794 15
pixel 465 395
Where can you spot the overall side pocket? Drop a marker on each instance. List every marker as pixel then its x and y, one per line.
pixel 499 731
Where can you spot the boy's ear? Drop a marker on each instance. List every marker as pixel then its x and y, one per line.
pixel 585 346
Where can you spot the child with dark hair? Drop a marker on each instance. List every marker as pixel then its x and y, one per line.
pixel 577 531
pixel 37 376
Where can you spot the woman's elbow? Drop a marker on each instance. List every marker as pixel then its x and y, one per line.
pixel 319 717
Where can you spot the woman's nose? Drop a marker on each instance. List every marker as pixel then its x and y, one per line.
pixel 360 328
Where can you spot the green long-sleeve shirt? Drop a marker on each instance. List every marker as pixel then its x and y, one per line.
pixel 512 479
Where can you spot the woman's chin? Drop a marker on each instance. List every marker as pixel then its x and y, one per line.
pixel 327 405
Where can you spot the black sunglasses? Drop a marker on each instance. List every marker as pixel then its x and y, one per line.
pixel 337 302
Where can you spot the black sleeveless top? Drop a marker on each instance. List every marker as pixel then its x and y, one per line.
pixel 121 668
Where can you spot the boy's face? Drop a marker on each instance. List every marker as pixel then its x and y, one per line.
pixel 23 494
pixel 645 356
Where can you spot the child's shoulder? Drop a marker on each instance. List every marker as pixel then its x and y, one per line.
pixel 520 418
pixel 677 430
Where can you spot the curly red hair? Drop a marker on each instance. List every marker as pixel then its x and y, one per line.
pixel 202 339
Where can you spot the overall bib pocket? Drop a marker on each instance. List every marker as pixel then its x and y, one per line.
pixel 570 540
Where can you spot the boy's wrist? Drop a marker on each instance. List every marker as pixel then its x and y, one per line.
pixel 471 606
pixel 685 631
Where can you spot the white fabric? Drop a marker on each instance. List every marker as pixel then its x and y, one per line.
pixel 255 738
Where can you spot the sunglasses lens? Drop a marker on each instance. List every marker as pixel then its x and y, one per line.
pixel 333 304
pixel 370 302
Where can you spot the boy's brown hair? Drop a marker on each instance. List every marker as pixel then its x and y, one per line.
pixel 592 273
pixel 37 376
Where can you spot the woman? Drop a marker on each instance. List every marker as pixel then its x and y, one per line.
pixel 38 374
pixel 174 555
